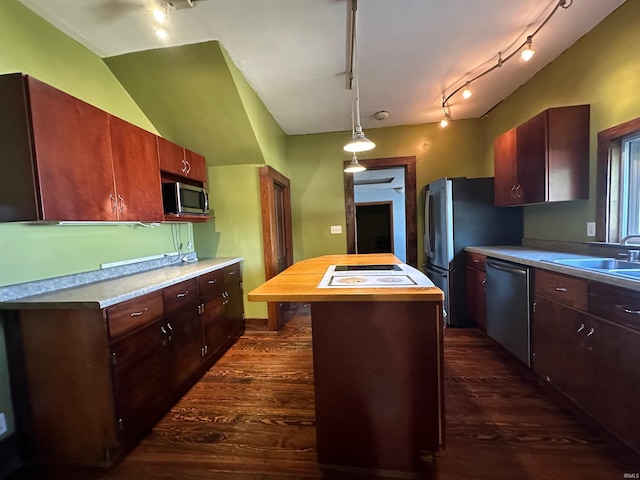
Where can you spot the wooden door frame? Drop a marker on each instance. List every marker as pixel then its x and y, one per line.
pixel 382 202
pixel 269 176
pixel 410 199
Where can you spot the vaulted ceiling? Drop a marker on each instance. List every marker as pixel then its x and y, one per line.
pixel 294 53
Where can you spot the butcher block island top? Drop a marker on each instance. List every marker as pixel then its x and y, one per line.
pixel 377 360
pixel 303 282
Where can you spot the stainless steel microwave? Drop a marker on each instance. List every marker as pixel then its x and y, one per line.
pixel 182 198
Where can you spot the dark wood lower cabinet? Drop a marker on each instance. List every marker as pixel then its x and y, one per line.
pixel 95 380
pixel 591 355
pixel 141 374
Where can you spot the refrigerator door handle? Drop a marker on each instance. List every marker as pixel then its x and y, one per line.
pixel 427 224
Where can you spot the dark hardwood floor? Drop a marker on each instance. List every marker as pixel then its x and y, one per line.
pixel 252 417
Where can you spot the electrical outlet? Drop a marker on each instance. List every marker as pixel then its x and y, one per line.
pixel 591 229
pixel 335 229
pixel 3 423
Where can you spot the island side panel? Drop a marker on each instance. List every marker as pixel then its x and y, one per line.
pixel 378 381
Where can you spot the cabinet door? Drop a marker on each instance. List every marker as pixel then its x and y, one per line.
pixel 615 401
pixel 214 324
pixel 561 345
pixel 504 156
pixel 196 166
pixel 73 156
pixel 171 157
pixel 234 309
pixel 185 334
pixel 137 174
pixel 476 297
pixel 531 152
pixel 141 379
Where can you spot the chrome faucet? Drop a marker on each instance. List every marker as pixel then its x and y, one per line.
pixel 632 255
pixel 624 240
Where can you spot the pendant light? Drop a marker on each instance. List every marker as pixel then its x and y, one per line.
pixel 354 166
pixel 359 143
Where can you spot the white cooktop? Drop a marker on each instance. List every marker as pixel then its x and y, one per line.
pixel 384 276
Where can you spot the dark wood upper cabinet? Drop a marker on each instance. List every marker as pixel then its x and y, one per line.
pixel 66 160
pixel 179 161
pixel 545 159
pixel 137 176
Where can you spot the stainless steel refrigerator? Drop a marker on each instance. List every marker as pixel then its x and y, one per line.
pixel 459 212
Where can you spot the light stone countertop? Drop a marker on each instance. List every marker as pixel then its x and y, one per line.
pixel 105 293
pixel 544 259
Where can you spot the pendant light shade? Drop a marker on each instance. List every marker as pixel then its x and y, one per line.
pixel 359 143
pixel 354 166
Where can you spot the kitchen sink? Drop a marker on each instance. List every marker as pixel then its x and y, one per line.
pixel 626 273
pixel 599 264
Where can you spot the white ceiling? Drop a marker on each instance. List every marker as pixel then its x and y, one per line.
pixel 294 52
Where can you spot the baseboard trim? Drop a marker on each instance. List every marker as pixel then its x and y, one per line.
pixel 257 325
pixel 10 459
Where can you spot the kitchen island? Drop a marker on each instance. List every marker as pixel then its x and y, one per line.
pixel 377 356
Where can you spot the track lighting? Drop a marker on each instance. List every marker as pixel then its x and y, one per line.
pixel 466 93
pixel 528 52
pixel 525 49
pixel 445 120
pixel 354 166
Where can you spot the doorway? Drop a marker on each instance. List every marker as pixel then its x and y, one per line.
pixel 374 227
pixel 277 236
pixel 410 203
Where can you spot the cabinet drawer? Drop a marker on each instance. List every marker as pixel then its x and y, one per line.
pixel 475 260
pixel 615 304
pixel 210 283
pixel 561 288
pixel 232 273
pixel 181 294
pixel 132 314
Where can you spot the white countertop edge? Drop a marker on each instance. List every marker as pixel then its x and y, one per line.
pixel 536 258
pixel 106 293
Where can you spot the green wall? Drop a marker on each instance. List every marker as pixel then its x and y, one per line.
pixel 316 162
pixel 29 252
pixel 234 192
pixel 601 69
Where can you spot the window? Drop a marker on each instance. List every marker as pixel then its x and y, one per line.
pixel 618 183
pixel 630 186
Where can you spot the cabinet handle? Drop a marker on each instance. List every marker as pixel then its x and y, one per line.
pixel 164 332
pixel 232 273
pixel 184 166
pixel 122 205
pixel 170 331
pixel 113 203
pixel 180 295
pixel 211 282
pixel 513 191
pixel 518 191
pixel 188 167
pixel 628 311
pixel 591 332
pixel 560 289
pixel 581 327
pixel 137 314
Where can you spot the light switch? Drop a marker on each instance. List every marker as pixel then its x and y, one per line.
pixel 335 229
pixel 591 229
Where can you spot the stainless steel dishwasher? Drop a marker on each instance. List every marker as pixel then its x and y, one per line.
pixel 508 306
